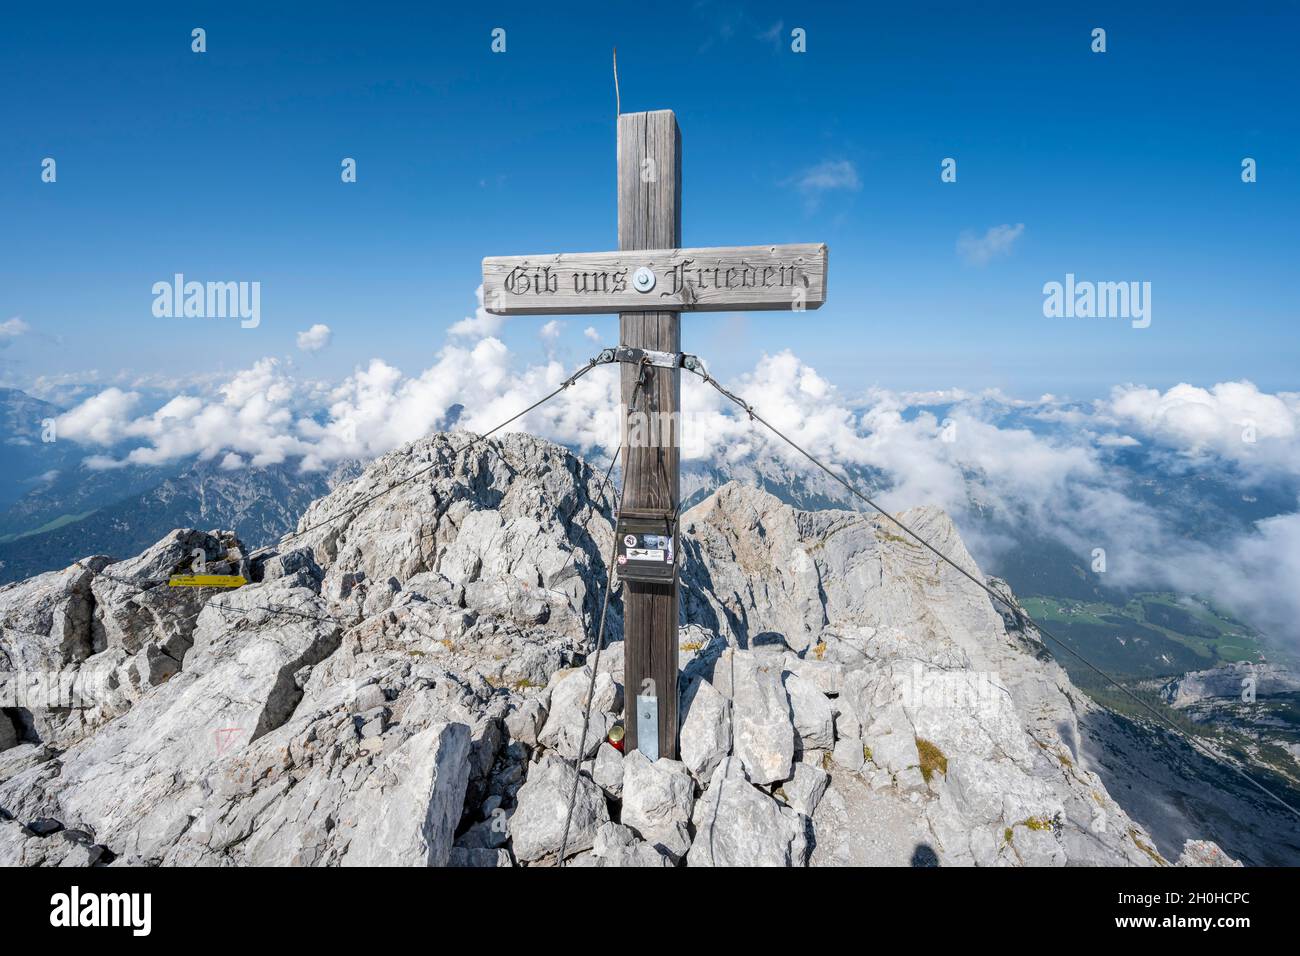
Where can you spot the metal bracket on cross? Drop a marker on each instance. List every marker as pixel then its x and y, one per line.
pixel 634 356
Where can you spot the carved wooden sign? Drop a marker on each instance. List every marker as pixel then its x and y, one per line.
pixel 722 279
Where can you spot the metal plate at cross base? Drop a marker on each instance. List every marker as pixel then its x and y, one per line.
pixel 647 726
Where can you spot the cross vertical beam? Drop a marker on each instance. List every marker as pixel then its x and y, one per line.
pixel 650 217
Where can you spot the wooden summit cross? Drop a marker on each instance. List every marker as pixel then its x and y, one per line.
pixel 649 282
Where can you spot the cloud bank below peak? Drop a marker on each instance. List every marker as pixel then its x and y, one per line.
pixel 1044 466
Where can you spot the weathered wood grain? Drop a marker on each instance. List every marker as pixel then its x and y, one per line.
pixel 650 217
pixel 723 278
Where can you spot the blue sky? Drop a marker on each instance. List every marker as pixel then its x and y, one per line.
pixel 225 166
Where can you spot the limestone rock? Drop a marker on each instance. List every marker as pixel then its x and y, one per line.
pixel 918 653
pixel 39 846
pixel 568 708
pixel 657 801
pixel 1204 853
pixel 804 790
pixel 617 845
pixel 846 719
pixel 45 621
pixel 738 825
pixel 1230 680
pixel 490 834
pixel 814 723
pixel 764 735
pixel 304 718
pixel 608 770
pixel 537 827
pixel 516 509
pixel 525 721
pixel 22 757
pixel 133 604
pixel 849 754
pixel 705 734
pixel 408 809
pixel 826 675
pixel 297 563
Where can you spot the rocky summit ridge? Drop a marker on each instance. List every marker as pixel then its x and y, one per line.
pixel 405 685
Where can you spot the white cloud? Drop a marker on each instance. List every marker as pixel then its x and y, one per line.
pixel 550 336
pixel 483 324
pixel 1234 420
pixel 10 329
pixel 1255 575
pixel 102 419
pixel 253 413
pixel 832 174
pixel 591 333
pixel 104 462
pixel 829 176
pixel 997 241
pixel 315 338
pixel 970 453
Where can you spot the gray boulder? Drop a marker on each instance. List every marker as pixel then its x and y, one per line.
pixel 846 719
pixel 408 809
pixel 45 621
pixel 135 606
pixel 814 722
pixel 849 754
pixel 824 674
pixel 537 827
pixel 764 736
pixel 804 790
pixel 738 825
pixel 568 707
pixel 657 802
pixel 1204 853
pixel 298 563
pixel 617 845
pixel 38 845
pixel 525 721
pixel 705 734
pixel 607 770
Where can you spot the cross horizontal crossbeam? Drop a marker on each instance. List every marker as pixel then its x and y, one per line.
pixel 719 279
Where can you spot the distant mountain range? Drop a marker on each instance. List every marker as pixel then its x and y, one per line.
pixel 56 509
pixel 259 504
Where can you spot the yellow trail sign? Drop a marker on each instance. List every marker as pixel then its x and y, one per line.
pixel 206 581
